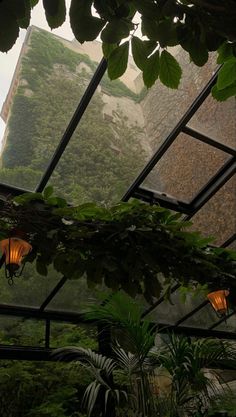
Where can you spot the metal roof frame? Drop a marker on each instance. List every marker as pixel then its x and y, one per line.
pixel 139 191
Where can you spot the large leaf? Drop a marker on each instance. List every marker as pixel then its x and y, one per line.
pixel 55 11
pixel 84 26
pixel 118 60
pixel 198 53
pixel 166 33
pixel 170 70
pixel 33 3
pixel 151 69
pixel 225 52
pixel 9 28
pixel 227 74
pixel 140 50
pixel 147 8
pixel 150 28
pixel 222 95
pixel 24 21
pixel 115 31
pixel 107 49
pixel 17 7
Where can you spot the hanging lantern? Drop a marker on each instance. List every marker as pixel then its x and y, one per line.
pixel 13 250
pixel 218 301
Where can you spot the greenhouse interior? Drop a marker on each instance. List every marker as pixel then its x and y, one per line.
pixel 118 214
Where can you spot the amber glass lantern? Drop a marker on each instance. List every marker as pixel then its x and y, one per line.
pixel 218 301
pixel 13 250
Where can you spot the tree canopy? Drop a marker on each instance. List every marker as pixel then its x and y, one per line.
pixel 198 26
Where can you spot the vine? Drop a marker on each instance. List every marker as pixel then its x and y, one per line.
pixel 131 246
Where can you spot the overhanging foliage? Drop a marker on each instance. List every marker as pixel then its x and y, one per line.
pixel 198 26
pixel 130 246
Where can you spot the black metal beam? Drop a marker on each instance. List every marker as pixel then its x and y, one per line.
pixel 53 293
pixel 214 184
pixel 47 333
pixel 83 104
pixel 7 190
pixel 25 353
pixel 196 332
pixel 206 139
pixel 223 319
pixel 159 301
pixel 154 197
pixel 191 313
pixel 171 137
pixel 36 313
pixel 229 241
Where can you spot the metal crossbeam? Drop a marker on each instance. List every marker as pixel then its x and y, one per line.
pixel 206 139
pixel 213 185
pixel 171 137
pixel 154 197
pixel 52 294
pixel 191 313
pixel 83 104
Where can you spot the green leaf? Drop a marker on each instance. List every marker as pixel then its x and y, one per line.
pixel 151 69
pixel 48 191
pixel 115 31
pixel 17 7
pixel 166 33
pixel 170 70
pixel 9 29
pixel 118 61
pixel 41 267
pixel 225 52
pixel 27 197
pixel 198 53
pixel 33 3
pixel 147 8
pixel 84 26
pixel 149 28
pixel 87 28
pixel 227 74
pixel 140 50
pixel 55 11
pixel 107 48
pixel 222 95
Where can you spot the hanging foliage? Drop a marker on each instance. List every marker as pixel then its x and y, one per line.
pixel 130 246
pixel 198 26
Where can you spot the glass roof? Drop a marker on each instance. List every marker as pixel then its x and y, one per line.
pixel 185 168
pixel 218 214
pixel 121 125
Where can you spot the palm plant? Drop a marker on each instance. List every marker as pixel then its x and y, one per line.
pixel 126 378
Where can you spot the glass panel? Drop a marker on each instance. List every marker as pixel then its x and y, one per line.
pixel 50 78
pixel 64 334
pixel 204 318
pixel 163 107
pixel 217 217
pixel 229 325
pixel 169 312
pixel 185 168
pixel 232 245
pixel 106 151
pixel 76 296
pixel 18 331
pixel 216 120
pixel 30 289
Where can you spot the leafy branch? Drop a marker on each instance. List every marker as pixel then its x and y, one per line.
pixel 199 27
pixel 130 246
